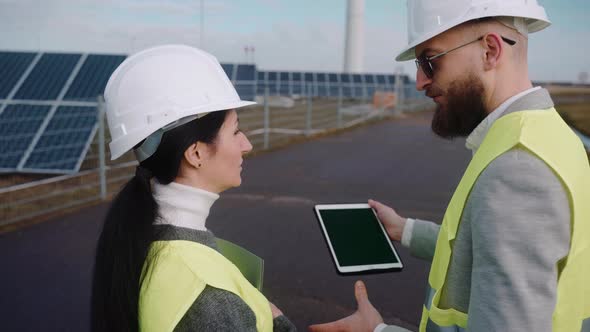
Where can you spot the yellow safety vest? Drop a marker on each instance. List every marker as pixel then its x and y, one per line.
pixel 545 135
pixel 178 273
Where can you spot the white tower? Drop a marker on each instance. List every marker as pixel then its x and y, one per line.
pixel 354 43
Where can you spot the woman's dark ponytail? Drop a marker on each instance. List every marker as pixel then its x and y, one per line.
pixel 128 228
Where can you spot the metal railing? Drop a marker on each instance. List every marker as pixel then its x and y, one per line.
pixel 275 121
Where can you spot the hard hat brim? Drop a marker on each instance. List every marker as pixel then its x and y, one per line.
pixel 122 146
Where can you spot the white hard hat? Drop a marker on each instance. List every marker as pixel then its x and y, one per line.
pixel 161 88
pixel 428 18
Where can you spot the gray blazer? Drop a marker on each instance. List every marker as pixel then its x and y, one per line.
pixel 514 230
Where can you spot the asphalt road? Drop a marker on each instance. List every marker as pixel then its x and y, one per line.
pixel 46 268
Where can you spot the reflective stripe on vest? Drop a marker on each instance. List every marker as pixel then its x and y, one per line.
pixel 545 135
pixel 177 274
pixel 430 325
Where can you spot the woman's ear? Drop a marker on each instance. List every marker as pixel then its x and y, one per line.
pixel 195 154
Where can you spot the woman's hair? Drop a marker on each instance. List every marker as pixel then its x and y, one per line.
pixel 128 228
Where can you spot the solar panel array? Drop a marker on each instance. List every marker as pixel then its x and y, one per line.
pixel 48 102
pixel 323 84
pixel 48 109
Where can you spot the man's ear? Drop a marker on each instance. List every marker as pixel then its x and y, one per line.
pixel 493 49
pixel 195 154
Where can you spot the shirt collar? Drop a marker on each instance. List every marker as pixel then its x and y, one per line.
pixel 477 136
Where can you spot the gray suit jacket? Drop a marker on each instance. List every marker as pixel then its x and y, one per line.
pixel 514 231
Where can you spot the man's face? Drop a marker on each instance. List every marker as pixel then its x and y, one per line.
pixel 454 86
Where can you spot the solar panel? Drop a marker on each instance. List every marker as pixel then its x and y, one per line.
pixel 246 90
pixel 260 82
pixel 334 85
pixel 284 88
pixel 270 82
pixel 370 85
pixel 64 141
pixel 391 79
pixel 246 73
pixel 273 81
pixel 272 76
pixel 322 86
pixel 284 76
pixel 48 77
pixel 228 68
pixel 245 82
pixel 296 83
pixel 18 126
pixel 93 76
pixel 346 83
pixel 12 66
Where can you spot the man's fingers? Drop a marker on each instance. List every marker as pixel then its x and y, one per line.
pixel 375 204
pixel 360 293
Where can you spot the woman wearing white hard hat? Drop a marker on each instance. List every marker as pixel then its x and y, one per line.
pixel 157 267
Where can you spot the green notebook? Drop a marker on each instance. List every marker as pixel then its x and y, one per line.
pixel 251 266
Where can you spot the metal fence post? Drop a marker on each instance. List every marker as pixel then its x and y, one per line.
pixel 339 119
pixel 101 149
pixel 309 110
pixel 399 91
pixel 266 120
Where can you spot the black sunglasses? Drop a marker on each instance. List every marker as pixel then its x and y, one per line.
pixel 425 62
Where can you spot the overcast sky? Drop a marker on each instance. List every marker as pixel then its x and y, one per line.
pixel 286 35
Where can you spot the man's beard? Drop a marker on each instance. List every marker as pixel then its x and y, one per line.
pixel 464 110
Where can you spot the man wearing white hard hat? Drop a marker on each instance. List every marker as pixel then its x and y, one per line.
pixel 513 250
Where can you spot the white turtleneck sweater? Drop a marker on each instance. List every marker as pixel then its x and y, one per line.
pixel 183 206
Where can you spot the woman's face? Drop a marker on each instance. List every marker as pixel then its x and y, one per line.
pixel 223 165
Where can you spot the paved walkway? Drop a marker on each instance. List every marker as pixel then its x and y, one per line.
pixel 46 268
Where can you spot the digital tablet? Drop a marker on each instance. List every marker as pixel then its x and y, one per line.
pixel 356 238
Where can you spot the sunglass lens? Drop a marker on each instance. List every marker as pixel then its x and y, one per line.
pixel 424 64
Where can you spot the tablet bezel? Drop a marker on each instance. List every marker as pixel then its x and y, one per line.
pixel 356 268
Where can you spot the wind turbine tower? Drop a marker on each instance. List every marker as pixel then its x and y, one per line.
pixel 354 43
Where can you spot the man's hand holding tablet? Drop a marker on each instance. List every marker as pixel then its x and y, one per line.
pixel 356 238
